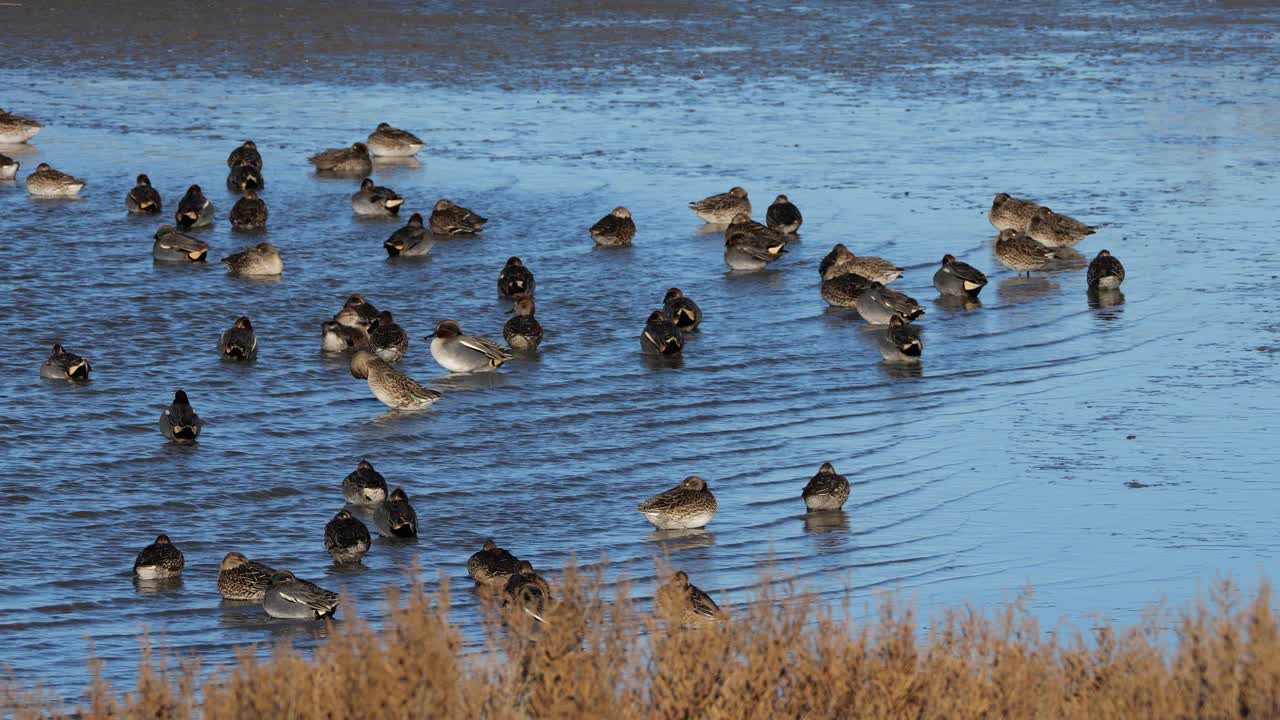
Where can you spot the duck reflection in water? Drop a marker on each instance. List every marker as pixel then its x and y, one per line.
pixel 679 540
pixel 1021 289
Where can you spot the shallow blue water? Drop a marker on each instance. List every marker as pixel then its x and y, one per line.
pixel 1006 461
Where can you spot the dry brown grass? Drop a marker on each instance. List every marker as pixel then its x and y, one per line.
pixel 780 657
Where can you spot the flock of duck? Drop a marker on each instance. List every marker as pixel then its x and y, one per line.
pixel 1030 237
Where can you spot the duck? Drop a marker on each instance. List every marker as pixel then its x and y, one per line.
pixel 783 216
pixel 261 259
pixel 249 212
pixel 412 240
pixel 8 167
pixel 388 141
pixel 243 178
pixel 450 219
pixel 526 591
pixel 682 311
pixel 900 343
pixel 352 160
pixel 616 229
pixel 194 210
pixel 289 598
pixel 1011 213
pixel 844 290
pixel 240 578
pixel 142 199
pixel 1053 230
pixel 683 603
pixel 393 388
pixel 1105 271
pixel 173 246
pixel 721 209
pixel 748 245
pixel 515 280
pixel 841 260
pixel 346 539
pixel 878 304
pixel 179 422
pixel 17 129
pixel 828 490
pixel 338 338
pixel 491 566
pixel 238 342
pixel 47 182
pixel 365 486
pixel 523 331
pixel 460 353
pixel 395 517
pixel 357 312
pixel 161 559
pixel 375 201
pixel 388 340
pixel 661 336
pixel 686 506
pixel 246 154
pixel 63 365
pixel 958 279
pixel 1018 252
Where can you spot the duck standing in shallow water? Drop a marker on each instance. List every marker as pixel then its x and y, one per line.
pixel 365 486
pixel 450 219
pixel 194 210
pixel 246 154
pixel 461 353
pixel 878 305
pixel 1053 230
pixel 412 240
pixel 47 182
pixel 63 365
pixel 375 201
pixel 1018 252
pixel 688 505
pixel 249 212
pixel 261 259
pixel 240 578
pixel 523 331
pixel 616 229
pixel 238 343
pixel 844 289
pixel 661 336
pixel 682 311
pixel 828 490
pixel 683 603
pixel 16 129
pixel 173 246
pixel 388 141
pixel 179 422
pixel 8 167
pixel 344 161
pixel 783 216
pixel 289 598
pixel 161 559
pixel 1011 213
pixel 841 260
pixel 142 199
pixel 748 245
pixel 1105 272
pixel 958 279
pixel 346 539
pixel 491 566
pixel 387 339
pixel 395 517
pixel 900 342
pixel 515 280
pixel 721 209
pixel 243 178
pixel 392 387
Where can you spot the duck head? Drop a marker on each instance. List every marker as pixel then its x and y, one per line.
pixel 446 329
pixel 695 483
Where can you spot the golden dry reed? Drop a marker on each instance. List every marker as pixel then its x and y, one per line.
pixel 782 656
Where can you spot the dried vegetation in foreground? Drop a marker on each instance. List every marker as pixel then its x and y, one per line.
pixel 779 657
